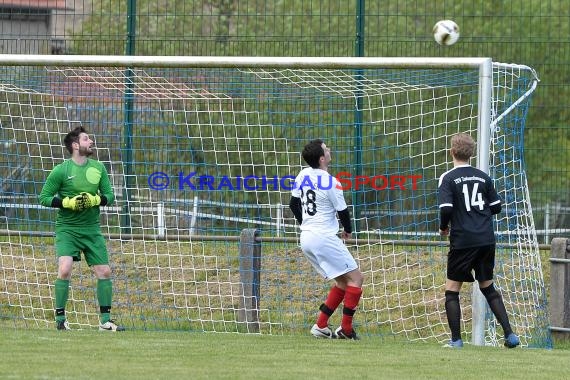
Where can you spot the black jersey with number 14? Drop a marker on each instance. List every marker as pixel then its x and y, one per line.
pixel 470 195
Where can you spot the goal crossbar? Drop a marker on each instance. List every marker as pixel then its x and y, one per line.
pixel 240 62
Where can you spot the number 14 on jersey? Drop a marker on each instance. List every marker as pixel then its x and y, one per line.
pixel 475 199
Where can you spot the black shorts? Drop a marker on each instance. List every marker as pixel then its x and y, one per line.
pixel 460 263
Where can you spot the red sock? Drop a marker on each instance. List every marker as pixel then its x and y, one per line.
pixel 335 297
pixel 351 299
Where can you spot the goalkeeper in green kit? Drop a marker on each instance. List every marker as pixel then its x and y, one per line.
pixel 78 187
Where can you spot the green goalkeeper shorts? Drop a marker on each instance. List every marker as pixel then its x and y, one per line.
pixel 89 242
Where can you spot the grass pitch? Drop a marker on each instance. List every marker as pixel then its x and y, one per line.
pixel 90 354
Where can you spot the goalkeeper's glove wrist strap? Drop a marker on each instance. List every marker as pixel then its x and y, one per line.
pixel 104 201
pixel 57 202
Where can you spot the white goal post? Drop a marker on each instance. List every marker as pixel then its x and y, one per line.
pixel 225 135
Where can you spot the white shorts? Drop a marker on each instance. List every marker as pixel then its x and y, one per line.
pixel 327 254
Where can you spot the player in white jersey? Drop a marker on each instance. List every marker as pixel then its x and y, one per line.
pixel 315 201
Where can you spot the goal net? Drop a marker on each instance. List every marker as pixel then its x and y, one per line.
pixel 202 151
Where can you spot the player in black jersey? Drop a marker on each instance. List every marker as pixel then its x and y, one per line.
pixel 467 201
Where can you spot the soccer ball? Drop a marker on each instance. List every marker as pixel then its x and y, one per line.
pixel 446 32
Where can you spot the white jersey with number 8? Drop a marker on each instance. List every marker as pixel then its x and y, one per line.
pixel 321 197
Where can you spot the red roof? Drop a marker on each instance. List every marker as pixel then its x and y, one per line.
pixel 34 4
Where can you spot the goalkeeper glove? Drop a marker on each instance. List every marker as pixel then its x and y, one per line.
pixel 90 200
pixel 76 203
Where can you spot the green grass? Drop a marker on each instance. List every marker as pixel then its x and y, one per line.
pixel 89 354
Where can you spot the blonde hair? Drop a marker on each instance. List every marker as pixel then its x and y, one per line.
pixel 462 146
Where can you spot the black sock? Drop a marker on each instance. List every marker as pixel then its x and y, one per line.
pixel 453 311
pixel 495 301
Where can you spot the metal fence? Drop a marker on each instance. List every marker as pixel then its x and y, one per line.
pixel 531 32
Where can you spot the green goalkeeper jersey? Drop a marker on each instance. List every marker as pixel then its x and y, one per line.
pixel 68 180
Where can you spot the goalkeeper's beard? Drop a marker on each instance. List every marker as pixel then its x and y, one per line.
pixel 85 151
